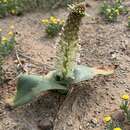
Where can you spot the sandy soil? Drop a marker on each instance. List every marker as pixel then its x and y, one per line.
pixel 102 44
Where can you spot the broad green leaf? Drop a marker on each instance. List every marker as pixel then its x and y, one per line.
pixel 83 73
pixel 30 86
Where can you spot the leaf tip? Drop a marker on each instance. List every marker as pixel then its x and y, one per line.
pixel 105 70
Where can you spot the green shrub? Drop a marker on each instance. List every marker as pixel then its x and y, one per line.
pixel 53 26
pixel 10 7
pixel 112 11
pixel 7 43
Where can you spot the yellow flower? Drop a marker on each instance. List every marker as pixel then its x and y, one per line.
pixel 45 21
pixel 128 17
pixel 10 33
pixel 107 119
pixel 0 30
pixel 12 27
pixel 125 97
pixel 117 128
pixel 4 39
pixel 53 20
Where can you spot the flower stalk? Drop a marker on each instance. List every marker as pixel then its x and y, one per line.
pixel 68 44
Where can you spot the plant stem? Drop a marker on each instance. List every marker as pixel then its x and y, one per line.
pixel 69 42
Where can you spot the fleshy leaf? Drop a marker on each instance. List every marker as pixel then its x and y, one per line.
pixel 30 86
pixel 83 73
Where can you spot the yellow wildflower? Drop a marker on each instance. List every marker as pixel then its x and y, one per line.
pixel 128 17
pixel 10 33
pixel 4 39
pixel 125 97
pixel 107 119
pixel 117 128
pixel 45 21
pixel 0 30
pixel 53 19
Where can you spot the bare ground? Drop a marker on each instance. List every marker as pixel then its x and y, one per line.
pixel 84 107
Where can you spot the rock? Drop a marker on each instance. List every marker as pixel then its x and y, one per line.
pixel 45 125
pixel 88 124
pixel 118 116
pixel 69 123
pixel 112 98
pixel 94 121
pixel 126 127
pixel 80 127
